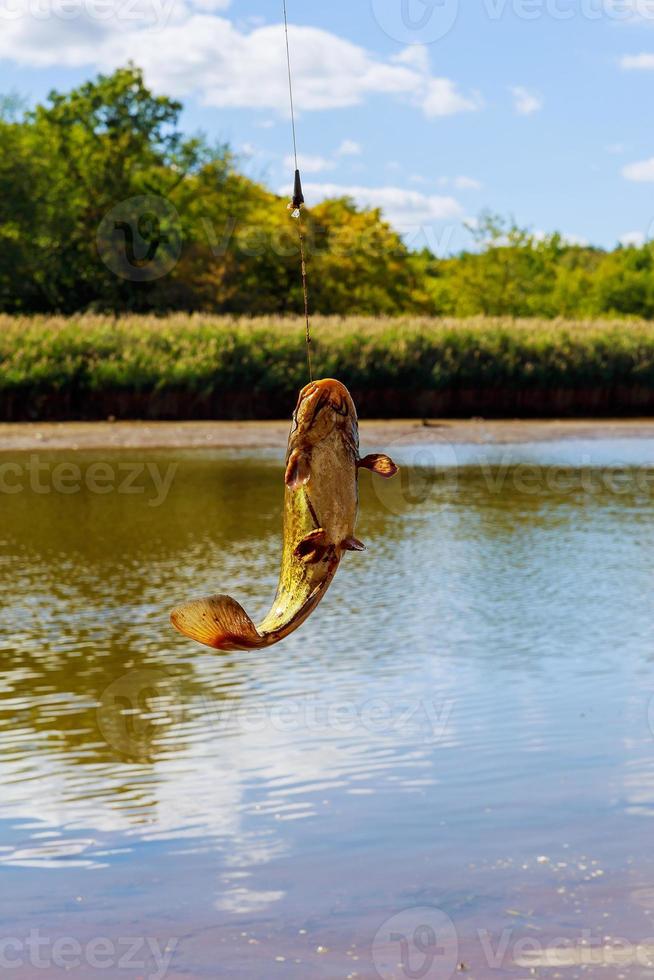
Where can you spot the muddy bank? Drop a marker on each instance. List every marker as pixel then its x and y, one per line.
pixel 27 436
pixel 620 400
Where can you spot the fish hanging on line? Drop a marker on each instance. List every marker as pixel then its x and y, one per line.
pixel 320 511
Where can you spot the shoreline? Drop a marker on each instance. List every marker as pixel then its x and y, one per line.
pixel 30 436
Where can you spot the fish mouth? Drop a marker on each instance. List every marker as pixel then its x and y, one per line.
pixel 327 392
pixel 324 407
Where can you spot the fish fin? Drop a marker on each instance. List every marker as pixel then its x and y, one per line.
pixel 312 547
pixel 297 470
pixel 219 622
pixel 379 463
pixel 352 544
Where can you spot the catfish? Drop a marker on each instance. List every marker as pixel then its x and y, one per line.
pixel 320 512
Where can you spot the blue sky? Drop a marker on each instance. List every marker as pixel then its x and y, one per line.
pixel 432 109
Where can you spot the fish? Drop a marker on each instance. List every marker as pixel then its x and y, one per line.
pixel 321 500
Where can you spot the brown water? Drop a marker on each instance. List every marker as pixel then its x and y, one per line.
pixel 451 763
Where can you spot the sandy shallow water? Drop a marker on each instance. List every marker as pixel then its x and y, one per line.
pixel 271 435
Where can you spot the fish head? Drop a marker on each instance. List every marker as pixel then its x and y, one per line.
pixel 322 407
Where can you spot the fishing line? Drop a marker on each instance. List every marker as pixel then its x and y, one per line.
pixel 295 207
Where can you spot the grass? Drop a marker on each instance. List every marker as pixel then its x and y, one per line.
pixel 205 355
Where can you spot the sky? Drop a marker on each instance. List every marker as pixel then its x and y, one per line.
pixel 433 110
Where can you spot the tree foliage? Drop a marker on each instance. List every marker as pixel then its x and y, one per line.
pixel 81 166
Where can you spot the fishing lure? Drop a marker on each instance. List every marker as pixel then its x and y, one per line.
pixel 320 511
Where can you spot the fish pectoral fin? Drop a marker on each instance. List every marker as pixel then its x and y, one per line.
pixel 312 547
pixel 219 622
pixel 379 463
pixel 352 544
pixel 297 470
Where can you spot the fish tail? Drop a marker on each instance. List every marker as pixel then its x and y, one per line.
pixel 217 621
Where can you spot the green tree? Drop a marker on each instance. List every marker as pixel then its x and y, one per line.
pixel 512 274
pixel 232 247
pixel 624 282
pixel 71 161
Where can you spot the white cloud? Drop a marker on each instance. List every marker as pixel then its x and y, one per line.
pixel 525 102
pixel 309 164
pixel 632 238
pixel 442 98
pixel 575 240
pixel 636 62
pixel 349 148
pixel 640 171
pixel 184 48
pixel 404 209
pixel 213 5
pixel 416 56
pixel 467 184
pixel 462 183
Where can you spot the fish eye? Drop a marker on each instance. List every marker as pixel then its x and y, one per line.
pixel 340 407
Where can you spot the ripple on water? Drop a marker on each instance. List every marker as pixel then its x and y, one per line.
pixel 466 690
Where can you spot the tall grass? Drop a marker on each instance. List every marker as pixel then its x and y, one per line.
pixel 201 352
pixel 205 356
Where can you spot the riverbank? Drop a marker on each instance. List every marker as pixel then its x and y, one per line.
pixel 200 367
pixel 32 436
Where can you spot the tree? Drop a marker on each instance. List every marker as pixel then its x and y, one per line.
pixel 512 274
pixel 68 163
pixel 107 205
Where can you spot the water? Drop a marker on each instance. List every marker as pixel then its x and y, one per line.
pixel 460 736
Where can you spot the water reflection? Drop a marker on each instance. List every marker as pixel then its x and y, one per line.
pixel 472 674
